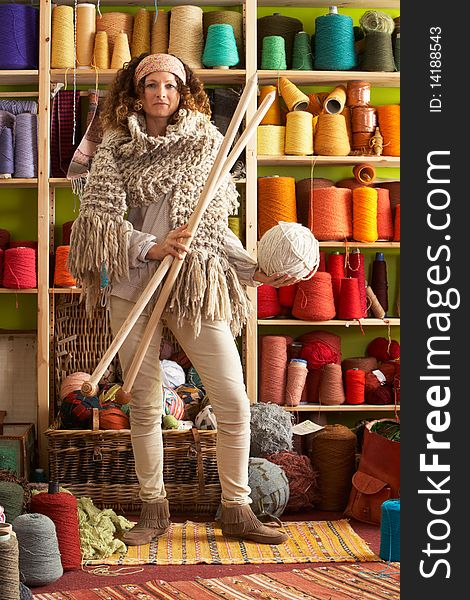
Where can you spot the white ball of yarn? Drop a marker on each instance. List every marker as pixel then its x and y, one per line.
pixel 173 374
pixel 289 248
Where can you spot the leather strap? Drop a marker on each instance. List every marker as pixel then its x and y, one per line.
pixel 200 463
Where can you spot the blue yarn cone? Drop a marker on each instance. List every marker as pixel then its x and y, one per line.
pixel 220 49
pixel 390 531
pixel 334 43
pixel 7 165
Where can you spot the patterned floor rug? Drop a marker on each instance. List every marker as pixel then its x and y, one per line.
pixel 375 581
pixel 193 543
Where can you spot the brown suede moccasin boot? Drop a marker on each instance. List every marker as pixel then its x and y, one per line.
pixel 240 522
pixel 154 521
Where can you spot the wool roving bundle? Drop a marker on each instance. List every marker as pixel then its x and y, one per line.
pixel 271 429
pixel 269 487
pixel 289 248
pixel 302 477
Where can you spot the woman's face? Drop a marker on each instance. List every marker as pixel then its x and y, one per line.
pixel 160 98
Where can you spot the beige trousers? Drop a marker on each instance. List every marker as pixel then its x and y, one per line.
pixel 215 357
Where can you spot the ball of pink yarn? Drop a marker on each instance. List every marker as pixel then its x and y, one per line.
pixel 72 383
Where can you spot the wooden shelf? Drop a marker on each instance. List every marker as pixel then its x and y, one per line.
pixel 12 77
pixel 63 182
pixel 19 182
pixel 332 322
pixel 19 94
pixel 59 182
pixel 74 290
pixel 151 3
pixel 106 76
pixel 23 291
pixel 342 408
pixel 375 78
pixel 339 4
pixel 352 244
pixel 265 160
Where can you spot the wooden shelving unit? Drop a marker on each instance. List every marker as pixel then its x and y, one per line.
pixel 40 82
pixel 323 78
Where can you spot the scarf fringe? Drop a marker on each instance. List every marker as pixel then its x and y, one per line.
pixel 97 241
pixel 210 289
pixel 78 184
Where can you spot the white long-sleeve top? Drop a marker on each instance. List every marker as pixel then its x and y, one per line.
pixel 151 225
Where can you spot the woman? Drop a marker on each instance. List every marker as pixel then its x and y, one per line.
pixel 157 150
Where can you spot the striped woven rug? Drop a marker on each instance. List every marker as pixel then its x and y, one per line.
pixel 372 581
pixel 191 543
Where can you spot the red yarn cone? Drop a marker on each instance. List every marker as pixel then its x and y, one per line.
pixel 62 509
pixel 349 300
pixel 268 302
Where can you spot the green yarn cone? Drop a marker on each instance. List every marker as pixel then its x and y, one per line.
pixel 274 53
pixel 220 49
pixel 302 58
pixel 396 52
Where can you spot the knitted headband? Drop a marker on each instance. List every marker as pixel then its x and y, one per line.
pixel 159 62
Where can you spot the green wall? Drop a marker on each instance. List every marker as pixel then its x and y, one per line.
pixel 18 208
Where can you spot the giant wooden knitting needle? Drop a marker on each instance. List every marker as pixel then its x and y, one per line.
pixel 90 387
pixel 123 396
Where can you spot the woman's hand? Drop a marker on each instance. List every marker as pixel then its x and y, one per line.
pixel 276 280
pixel 171 245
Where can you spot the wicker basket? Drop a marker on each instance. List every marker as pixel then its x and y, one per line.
pixel 100 464
pixel 79 340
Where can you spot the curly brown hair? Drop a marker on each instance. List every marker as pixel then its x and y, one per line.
pixel 122 96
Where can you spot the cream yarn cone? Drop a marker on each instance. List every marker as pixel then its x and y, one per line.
pixel 121 51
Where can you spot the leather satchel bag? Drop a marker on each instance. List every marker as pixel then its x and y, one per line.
pixel 377 478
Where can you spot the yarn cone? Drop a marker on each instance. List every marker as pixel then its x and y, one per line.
pixel 101 51
pixel 302 58
pixel 294 98
pixel 121 51
pixel 220 49
pixel 141 33
pixel 273 115
pixel 160 33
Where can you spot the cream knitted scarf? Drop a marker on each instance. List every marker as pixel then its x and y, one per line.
pixel 132 169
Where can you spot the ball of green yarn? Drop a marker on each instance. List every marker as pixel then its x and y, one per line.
pixel 11 498
pixel 170 422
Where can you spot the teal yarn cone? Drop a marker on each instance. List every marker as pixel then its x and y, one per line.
pixel 302 59
pixel 273 56
pixel 220 49
pixel 334 43
pixel 390 531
